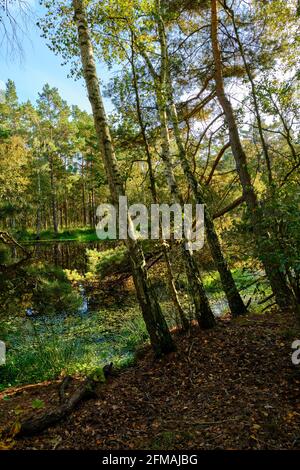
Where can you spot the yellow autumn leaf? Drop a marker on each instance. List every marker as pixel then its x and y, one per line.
pixel 16 428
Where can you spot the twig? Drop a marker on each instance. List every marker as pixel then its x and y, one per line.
pixel 266 299
pixel 190 350
pixel 268 306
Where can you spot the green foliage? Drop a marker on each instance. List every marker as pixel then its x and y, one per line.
pixel 284 247
pixel 14 180
pixel 48 154
pixel 108 262
pixel 84 234
pixel 38 289
pixel 43 348
pixel 5 254
pixel 37 404
pixel 247 281
pixel 53 293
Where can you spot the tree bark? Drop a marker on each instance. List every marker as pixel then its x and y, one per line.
pixel 38 212
pixel 216 163
pixel 203 312
pixel 229 208
pixel 277 279
pixel 235 301
pixel 53 196
pixel 84 215
pixel 160 336
pixel 172 287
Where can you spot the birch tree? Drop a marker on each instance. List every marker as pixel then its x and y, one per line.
pixel 235 302
pixel 156 324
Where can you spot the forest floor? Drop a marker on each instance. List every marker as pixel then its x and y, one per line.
pixel 233 387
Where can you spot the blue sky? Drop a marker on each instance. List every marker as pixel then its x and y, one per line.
pixel 39 66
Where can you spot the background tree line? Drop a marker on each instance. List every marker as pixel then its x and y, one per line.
pixel 50 174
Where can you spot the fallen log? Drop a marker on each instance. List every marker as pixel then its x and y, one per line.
pixel 37 424
pixel 263 301
pixel 8 239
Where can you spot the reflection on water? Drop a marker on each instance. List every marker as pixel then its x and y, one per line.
pixel 67 255
pixel 46 257
pixel 73 256
pixel 84 309
pixel 219 307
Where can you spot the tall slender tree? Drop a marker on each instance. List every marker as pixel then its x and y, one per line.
pixel 160 336
pixel 171 281
pixel 275 275
pixel 236 304
pixel 203 310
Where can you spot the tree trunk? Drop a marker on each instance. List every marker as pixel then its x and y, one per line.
pixel 38 214
pixel 236 304
pixel 276 277
pixel 66 211
pixel 173 291
pixel 254 97
pixel 160 336
pixel 84 215
pixel 61 216
pixel 39 423
pixel 183 321
pixel 203 312
pixel 93 208
pixel 53 196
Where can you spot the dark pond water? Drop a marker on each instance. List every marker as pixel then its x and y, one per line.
pixel 73 256
pixel 67 255
pixel 55 324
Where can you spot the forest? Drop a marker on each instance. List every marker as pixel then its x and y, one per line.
pixel 135 341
